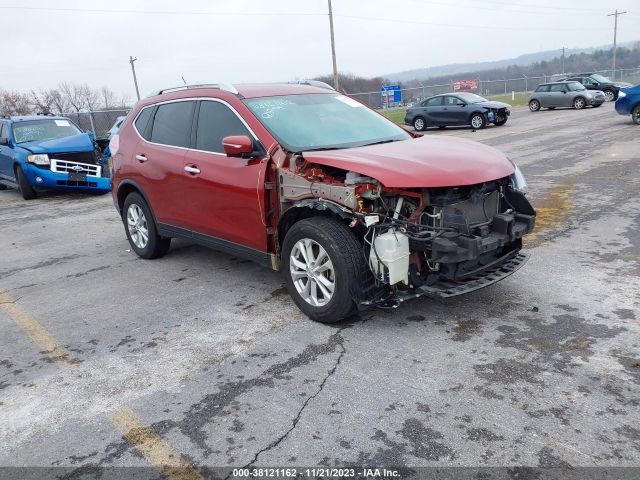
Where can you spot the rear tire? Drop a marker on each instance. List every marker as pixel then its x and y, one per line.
pixel 635 114
pixel 477 121
pixel 3 186
pixel 141 228
pixel 419 124
pixel 579 103
pixel 323 283
pixel 534 105
pixel 27 191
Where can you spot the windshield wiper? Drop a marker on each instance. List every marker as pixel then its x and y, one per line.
pixel 380 142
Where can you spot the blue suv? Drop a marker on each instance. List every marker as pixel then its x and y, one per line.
pixel 628 103
pixel 47 152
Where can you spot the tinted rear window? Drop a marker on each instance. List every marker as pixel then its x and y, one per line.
pixel 142 121
pixel 172 124
pixel 542 88
pixel 216 121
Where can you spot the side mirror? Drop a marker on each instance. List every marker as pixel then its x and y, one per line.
pixel 237 145
pixel 462 104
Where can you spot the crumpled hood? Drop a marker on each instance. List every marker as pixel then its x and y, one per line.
pixel 77 143
pixel 492 104
pixel 439 161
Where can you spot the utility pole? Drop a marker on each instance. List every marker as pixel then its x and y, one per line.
pixel 563 59
pixel 135 79
pixel 615 38
pixel 333 49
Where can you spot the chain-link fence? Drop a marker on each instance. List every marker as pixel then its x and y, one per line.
pixel 98 122
pixel 502 86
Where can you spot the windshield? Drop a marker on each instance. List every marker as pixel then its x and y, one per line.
pixel 39 130
pixel 323 121
pixel 471 98
pixel 576 86
pixel 600 79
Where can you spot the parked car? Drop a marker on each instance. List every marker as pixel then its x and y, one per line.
pixel 628 103
pixel 595 81
pixel 355 210
pixel 457 109
pixel 564 94
pixel 47 152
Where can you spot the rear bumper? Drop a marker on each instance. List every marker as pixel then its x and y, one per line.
pixel 41 178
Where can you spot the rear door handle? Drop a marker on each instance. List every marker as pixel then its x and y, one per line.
pixel 141 157
pixel 192 170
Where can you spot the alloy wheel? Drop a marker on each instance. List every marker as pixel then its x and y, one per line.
pixel 312 272
pixel 609 96
pixel 476 121
pixel 137 225
pixel 418 124
pixel 578 103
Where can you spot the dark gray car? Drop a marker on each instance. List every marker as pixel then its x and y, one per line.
pixel 564 94
pixel 457 109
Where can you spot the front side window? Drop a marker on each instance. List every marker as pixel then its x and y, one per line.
pixel 216 121
pixel 142 122
pixel 576 87
pixel 600 78
pixel 449 101
pixel 323 122
pixel 45 129
pixel 172 124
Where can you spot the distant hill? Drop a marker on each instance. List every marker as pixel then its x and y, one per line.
pixel 526 59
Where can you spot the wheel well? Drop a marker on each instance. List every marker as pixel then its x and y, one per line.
pixel 308 209
pixel 124 191
pixel 579 96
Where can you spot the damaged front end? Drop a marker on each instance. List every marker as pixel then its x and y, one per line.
pixel 439 242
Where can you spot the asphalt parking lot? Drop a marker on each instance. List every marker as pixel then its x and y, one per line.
pixel 201 360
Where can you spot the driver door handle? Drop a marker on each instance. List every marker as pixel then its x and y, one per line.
pixel 192 169
pixel 141 157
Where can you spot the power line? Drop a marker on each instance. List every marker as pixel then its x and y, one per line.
pixel 159 12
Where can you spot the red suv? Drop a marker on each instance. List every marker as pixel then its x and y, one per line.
pixel 353 209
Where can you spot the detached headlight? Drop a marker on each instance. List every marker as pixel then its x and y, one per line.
pixel 40 159
pixel 518 182
pixel 621 94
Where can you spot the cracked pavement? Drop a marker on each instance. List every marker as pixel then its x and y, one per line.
pixel 541 369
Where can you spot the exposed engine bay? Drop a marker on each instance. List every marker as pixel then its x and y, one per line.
pixel 438 242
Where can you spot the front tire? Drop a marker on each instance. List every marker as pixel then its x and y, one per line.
pixel 609 95
pixel 324 268
pixel 477 121
pixel 579 103
pixel 419 124
pixel 635 114
pixel 534 105
pixel 500 121
pixel 27 191
pixel 141 228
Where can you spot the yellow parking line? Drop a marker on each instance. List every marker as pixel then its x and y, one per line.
pixel 157 452
pixel 37 332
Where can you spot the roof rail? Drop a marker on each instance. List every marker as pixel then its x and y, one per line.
pixel 227 87
pixel 313 83
pixel 47 114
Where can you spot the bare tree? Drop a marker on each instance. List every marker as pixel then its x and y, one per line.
pixel 91 97
pixel 74 96
pixel 108 98
pixel 14 103
pixel 48 101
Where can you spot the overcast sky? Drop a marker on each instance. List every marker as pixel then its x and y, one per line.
pixel 48 42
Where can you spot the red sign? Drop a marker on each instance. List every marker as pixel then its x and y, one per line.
pixel 465 85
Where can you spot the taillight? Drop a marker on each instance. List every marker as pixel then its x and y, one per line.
pixel 407 110
pixel 114 145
